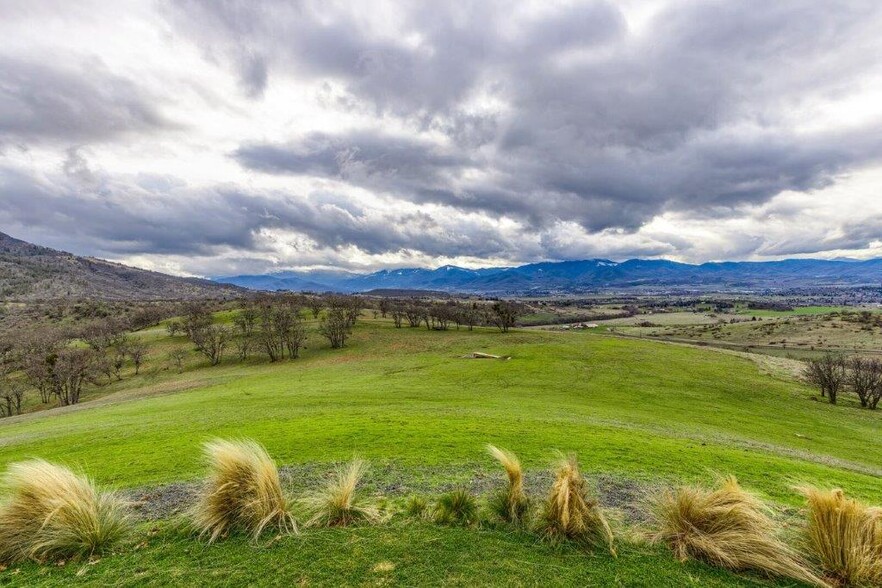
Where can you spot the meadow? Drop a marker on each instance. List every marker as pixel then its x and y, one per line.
pixel 642 413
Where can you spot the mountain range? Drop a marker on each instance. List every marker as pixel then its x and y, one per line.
pixel 584 275
pixel 31 272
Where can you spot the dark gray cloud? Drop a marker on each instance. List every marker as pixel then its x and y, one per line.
pixel 574 125
pixel 600 125
pixel 74 103
pixel 156 215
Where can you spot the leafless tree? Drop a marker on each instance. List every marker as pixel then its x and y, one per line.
pixel 137 352
pixel 316 304
pixel 865 378
pixel 211 342
pixel 12 393
pixel 196 318
pixel 505 314
pixel 39 352
pixel 397 313
pixel 173 328
pixel 73 368
pixel 414 314
pixel 385 306
pixel 100 335
pixel 828 373
pixel 177 356
pixel 336 326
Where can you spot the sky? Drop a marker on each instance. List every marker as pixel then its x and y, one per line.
pixel 220 137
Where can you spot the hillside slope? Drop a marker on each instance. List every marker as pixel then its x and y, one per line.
pixel 31 272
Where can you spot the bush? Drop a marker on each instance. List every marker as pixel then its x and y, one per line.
pixel 457 507
pixel 572 514
pixel 726 527
pixel 339 503
pixel 845 536
pixel 243 492
pixel 55 513
pixel 510 504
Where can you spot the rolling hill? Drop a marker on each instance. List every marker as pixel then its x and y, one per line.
pixel 30 272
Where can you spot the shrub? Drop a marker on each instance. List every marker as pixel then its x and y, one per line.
pixel 243 492
pixel 457 507
pixel 509 504
pixel 726 527
pixel 54 513
pixel 845 536
pixel 571 513
pixel 339 504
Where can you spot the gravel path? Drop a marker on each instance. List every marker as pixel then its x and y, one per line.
pixel 395 481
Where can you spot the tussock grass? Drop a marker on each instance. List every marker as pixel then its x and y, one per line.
pixel 416 507
pixel 457 507
pixel 727 527
pixel 571 512
pixel 339 503
pixel 242 493
pixel 845 536
pixel 54 513
pixel 509 504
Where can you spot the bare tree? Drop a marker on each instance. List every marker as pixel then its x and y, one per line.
pixel 211 342
pixel 196 317
pixel 137 352
pixel 12 393
pixel 39 352
pixel 414 314
pixel 828 373
pixel 397 313
pixel 865 378
pixel 73 368
pixel 505 314
pixel 470 315
pixel 316 304
pixel 12 389
pixel 177 356
pixel 173 328
pixel 100 335
pixel 336 326
pixel 385 306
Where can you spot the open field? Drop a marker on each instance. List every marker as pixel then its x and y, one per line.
pixel 641 412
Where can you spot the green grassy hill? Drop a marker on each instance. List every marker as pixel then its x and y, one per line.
pixel 639 412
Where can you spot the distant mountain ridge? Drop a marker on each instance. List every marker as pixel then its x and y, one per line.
pixel 582 275
pixel 32 272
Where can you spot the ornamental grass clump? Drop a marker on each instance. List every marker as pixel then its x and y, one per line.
pixel 727 527
pixel 458 508
pixel 509 504
pixel 845 536
pixel 243 492
pixel 339 503
pixel 54 513
pixel 572 513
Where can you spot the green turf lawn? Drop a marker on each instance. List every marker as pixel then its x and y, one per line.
pixel 635 409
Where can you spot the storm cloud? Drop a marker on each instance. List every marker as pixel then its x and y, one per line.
pixel 417 132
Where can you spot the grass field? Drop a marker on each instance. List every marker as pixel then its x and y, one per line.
pixel 407 399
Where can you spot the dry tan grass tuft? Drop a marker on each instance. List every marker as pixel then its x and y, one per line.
pixel 572 513
pixel 510 504
pixel 55 513
pixel 339 504
pixel 243 492
pixel 845 536
pixel 728 527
